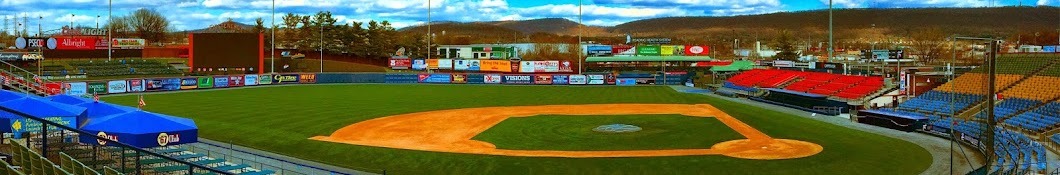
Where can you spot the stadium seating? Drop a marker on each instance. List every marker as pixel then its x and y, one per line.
pixel 975 83
pixel 835 85
pixel 939 102
pixel 1019 64
pixel 122 67
pixel 1038 120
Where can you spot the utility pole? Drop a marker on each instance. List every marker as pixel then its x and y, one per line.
pixel 831 45
pixel 110 35
pixel 321 21
pixel 272 52
pixel 580 59
pixel 430 36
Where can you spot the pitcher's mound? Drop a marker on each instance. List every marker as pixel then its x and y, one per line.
pixel 767 149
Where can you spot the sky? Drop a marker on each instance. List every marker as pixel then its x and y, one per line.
pixel 197 14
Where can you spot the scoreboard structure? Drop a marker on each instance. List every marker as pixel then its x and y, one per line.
pixel 226 52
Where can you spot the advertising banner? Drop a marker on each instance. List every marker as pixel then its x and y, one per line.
pixel 543 79
pixel 189 83
pixel 445 63
pixel 30 43
pixel 11 56
pixel 307 78
pixel 168 84
pixel 54 88
pixel 577 79
pixel 220 82
pixel 648 50
pixel 136 85
pixel 609 79
pixel 77 43
pixel 527 66
pixel 117 86
pixel 284 78
pixel 692 50
pixel 518 79
pixel 435 78
pixel 459 78
pixel 461 64
pixel 541 66
pixel 474 65
pixel 515 66
pixel 598 50
pixel 264 79
pixel 400 63
pixel 565 66
pixel 619 49
pixel 596 79
pixel 97 88
pixel 76 88
pixel 205 82
pixel 783 63
pixel 250 80
pixel 127 43
pixel 432 63
pixel 824 65
pixel 235 81
pixel 495 65
pixel 666 50
pixel 626 81
pixel 475 78
pixel 559 79
pixel 491 79
pixel 419 65
pixel 551 66
pixel 20 125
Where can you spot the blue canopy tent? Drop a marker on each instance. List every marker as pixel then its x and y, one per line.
pixel 142 129
pixel 69 99
pixel 8 95
pixel 98 110
pixel 41 108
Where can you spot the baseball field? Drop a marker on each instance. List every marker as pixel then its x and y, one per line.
pixel 333 123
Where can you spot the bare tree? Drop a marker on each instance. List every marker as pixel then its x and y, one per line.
pixel 927 43
pixel 149 24
pixel 118 27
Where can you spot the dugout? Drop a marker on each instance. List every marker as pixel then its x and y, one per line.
pixel 893 120
pixel 803 101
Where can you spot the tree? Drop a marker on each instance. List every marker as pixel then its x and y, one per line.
pixel 118 27
pixel 787 48
pixel 289 34
pixel 149 24
pixel 259 25
pixel 928 44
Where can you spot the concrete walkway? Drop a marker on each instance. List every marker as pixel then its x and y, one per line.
pixel 940 148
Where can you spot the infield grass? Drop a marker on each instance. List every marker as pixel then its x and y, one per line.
pixel 280 119
pixel 575 133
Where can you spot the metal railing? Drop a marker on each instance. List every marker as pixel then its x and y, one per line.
pixel 53 138
pixel 259 161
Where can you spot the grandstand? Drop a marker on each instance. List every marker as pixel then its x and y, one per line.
pixel 844 87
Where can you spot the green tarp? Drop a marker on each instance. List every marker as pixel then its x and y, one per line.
pixel 735 66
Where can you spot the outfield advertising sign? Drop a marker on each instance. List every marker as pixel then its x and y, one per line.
pixel 285 78
pixel 564 66
pixel 117 86
pixel 551 66
pixel 626 82
pixel 518 79
pixel 20 125
pixel 435 78
pixel 250 80
pixel 136 85
pixel 307 78
pixel 543 79
pixel 168 84
pixel 97 88
pixel 492 79
pixel 205 82
pixel 189 83
pixel 459 78
pixel 461 64
pixel 445 63
pixel 264 79
pixel 220 82
pixel 577 79
pixel 419 65
pixel 559 79
pixel 609 79
pixel 648 50
pixel 76 89
pixel 527 66
pixel 596 79
pixel 235 81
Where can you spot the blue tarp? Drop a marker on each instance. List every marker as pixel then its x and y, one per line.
pixel 796 92
pixel 142 129
pixel 895 114
pixel 69 99
pixel 8 95
pixel 39 108
pixel 96 110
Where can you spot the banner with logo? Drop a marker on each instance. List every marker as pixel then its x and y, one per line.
pixel 609 79
pixel 307 78
pixel 552 66
pixel 30 43
pixel 527 66
pixel 518 79
pixel 220 82
pixel 136 85
pixel 76 88
pixel 285 78
pixel 97 88
pixel 235 81
pixel 77 43
pixel 205 82
pixel 117 86
pixel 127 43
pixel 432 63
pixel 189 83
pixel 250 80
pixel 396 63
pixel 445 64
pixel 543 79
pixel 577 79
pixel 596 79
pixel 565 66
pixel 559 79
pixel 783 63
pixel 495 65
pixel 168 84
pixel 491 79
pixel 666 50
pixel 541 66
pixel 459 78
pixel 515 66
pixel 435 78
pixel 648 50
pixel 419 65
pixel 21 125
pixel 626 81
pixel 598 50
pixel 11 56
pixel 264 79
pixel 53 88
pixel 461 64
pixel 697 50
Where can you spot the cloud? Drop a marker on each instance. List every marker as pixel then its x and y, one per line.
pixel 846 3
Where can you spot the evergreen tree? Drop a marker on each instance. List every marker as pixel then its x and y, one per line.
pixel 787 48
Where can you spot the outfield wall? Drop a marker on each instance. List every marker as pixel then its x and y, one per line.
pixel 165 84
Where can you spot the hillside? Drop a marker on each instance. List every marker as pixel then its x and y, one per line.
pixel 544 25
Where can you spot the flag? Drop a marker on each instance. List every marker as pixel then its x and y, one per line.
pixel 141 102
pixel 95 97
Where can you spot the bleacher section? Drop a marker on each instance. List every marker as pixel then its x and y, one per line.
pixel 833 85
pixel 938 102
pixel 120 67
pixel 975 83
pixel 29 162
pixel 1037 120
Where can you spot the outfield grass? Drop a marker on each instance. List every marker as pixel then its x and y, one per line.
pixel 281 119
pixel 575 133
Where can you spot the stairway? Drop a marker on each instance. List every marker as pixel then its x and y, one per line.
pixel 21 80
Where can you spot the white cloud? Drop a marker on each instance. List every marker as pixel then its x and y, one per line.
pixel 846 3
pixel 1043 2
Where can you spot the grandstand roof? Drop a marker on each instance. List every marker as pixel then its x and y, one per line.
pixel 648 58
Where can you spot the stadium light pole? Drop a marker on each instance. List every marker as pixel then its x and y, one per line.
pixel 831 46
pixel 580 58
pixel 272 50
pixel 429 35
pixel 110 14
pixel 321 21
